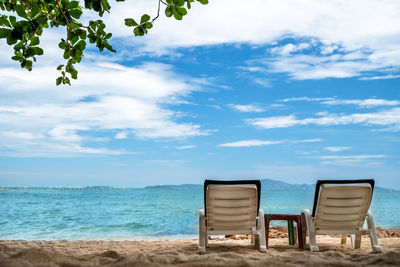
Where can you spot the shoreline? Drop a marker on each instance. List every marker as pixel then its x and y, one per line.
pixel 274 232
pixel 230 251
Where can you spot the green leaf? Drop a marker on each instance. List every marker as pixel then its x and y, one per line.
pixel 60 67
pixel 73 4
pixel 62 44
pixel 82 35
pixel 204 2
pixel 74 39
pixel 179 2
pixel 11 40
pixel 20 11
pixel 4 32
pixel 16 58
pixel 138 31
pixel 59 80
pixel 66 54
pixel 130 22
pixel 13 20
pixel 37 50
pixel 181 10
pixel 34 41
pixel 177 15
pixel 144 18
pixel 81 45
pixel 66 81
pixel 28 65
pixel 148 25
pixel 74 75
pixel 35 11
pixel 19 46
pixel 168 11
pixel 4 21
pixel 75 13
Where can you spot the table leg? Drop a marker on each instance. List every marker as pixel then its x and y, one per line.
pixel 266 222
pixel 304 229
pixel 300 233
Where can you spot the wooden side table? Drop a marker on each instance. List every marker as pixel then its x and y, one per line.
pixel 285 217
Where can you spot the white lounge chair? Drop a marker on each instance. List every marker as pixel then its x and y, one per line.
pixel 232 207
pixel 341 207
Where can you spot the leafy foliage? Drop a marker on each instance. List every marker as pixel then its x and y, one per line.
pixel 25 20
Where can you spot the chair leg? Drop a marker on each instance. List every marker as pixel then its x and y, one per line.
pixel 343 240
pixel 261 231
pixel 372 233
pixel 355 241
pixel 311 231
pixel 202 232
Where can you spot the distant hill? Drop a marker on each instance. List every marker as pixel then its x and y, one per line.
pixel 266 184
pixel 180 186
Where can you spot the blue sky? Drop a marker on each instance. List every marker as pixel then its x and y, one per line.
pixel 294 91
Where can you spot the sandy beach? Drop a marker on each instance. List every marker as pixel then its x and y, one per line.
pixel 222 252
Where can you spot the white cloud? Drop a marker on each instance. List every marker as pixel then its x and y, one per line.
pixel 305 98
pixel 395 128
pixel 381 77
pixel 121 135
pixel 362 33
pixel 274 122
pixel 247 143
pixel 106 98
pixel 381 118
pixel 261 81
pixel 316 66
pixel 362 103
pixel 246 108
pixel 352 38
pixel 355 24
pixel 186 147
pixel 43 147
pixel 337 148
pixel 312 140
pixel 289 48
pixel 255 142
pixel 353 159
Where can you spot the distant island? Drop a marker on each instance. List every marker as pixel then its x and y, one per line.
pixel 266 184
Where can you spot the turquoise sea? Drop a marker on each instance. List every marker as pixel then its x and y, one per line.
pixel 137 214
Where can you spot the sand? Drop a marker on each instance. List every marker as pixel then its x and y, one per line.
pixel 222 252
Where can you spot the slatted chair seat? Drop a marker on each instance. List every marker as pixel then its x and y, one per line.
pixel 342 207
pixel 231 207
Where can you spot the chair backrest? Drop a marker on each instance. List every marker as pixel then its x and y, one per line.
pixel 341 204
pixel 231 205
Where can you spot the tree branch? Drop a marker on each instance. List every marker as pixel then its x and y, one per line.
pixel 158 12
